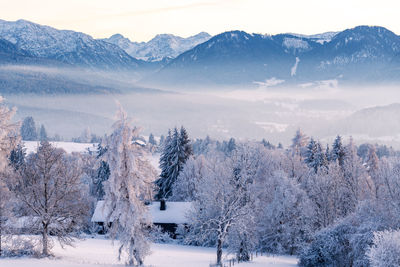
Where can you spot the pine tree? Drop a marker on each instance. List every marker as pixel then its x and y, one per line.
pixel 328 153
pixel 152 141
pixel 162 140
pixel 321 159
pixel 310 155
pixel 17 157
pixel 185 144
pixel 176 151
pixel 338 151
pixel 28 130
pixel 127 190
pixel 231 145
pixel 299 143
pixel 103 174
pixel 42 133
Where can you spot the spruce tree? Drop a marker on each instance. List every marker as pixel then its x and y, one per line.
pixel 231 145
pixel 17 157
pixel 42 133
pixel 311 154
pixel 176 150
pixel 338 151
pixel 152 141
pixel 299 142
pixel 28 130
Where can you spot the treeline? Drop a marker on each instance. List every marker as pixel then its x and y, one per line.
pixel 326 204
pixel 332 205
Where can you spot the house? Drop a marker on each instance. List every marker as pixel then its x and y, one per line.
pixel 166 215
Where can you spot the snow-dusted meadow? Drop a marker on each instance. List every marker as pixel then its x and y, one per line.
pixel 101 252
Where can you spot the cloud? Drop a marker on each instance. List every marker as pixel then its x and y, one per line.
pixel 270 82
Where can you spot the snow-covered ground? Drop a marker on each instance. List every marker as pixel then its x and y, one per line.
pixel 69 147
pixel 100 252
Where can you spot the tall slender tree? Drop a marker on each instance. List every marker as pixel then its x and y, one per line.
pixel 127 190
pixel 338 151
pixel 176 150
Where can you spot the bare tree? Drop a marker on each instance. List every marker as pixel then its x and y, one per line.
pixel 8 140
pixel 221 203
pixel 50 189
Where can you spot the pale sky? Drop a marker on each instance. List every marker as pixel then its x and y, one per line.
pixel 141 20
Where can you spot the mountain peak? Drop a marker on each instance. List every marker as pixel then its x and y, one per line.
pixel 160 47
pixel 65 46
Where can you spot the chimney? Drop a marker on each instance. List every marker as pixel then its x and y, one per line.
pixel 163 206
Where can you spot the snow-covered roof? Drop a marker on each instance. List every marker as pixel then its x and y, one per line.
pixel 175 212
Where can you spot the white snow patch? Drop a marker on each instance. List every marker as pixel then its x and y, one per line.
pixel 293 70
pixel 176 212
pixel 295 43
pixel 98 251
pixel 69 147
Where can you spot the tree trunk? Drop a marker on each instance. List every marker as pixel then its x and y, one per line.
pixel 219 252
pixel 45 240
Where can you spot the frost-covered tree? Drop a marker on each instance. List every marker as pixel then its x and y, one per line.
pixel 176 151
pixel 310 155
pixel 17 157
pixel 42 133
pixel 356 183
pixel 221 204
pixel 338 151
pixel 385 251
pixel 185 186
pixel 28 130
pixel 8 140
pixel 299 143
pixel 267 144
pixel 102 175
pixel 315 157
pixel 127 190
pixel 231 145
pixel 49 188
pixel 152 140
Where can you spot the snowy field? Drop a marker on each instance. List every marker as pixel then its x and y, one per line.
pixel 100 252
pixel 69 147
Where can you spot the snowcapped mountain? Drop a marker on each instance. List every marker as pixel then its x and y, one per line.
pixel 10 52
pixel 160 47
pixel 65 46
pixel 362 54
pixel 319 38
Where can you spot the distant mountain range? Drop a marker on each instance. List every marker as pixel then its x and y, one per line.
pixel 163 46
pixel 360 55
pixel 364 54
pixel 64 46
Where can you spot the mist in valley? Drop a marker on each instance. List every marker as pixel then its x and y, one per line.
pixel 321 110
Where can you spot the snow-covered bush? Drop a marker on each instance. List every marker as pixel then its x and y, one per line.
pixel 330 248
pixel 385 251
pixel 17 246
pixel 346 242
pixel 157 235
